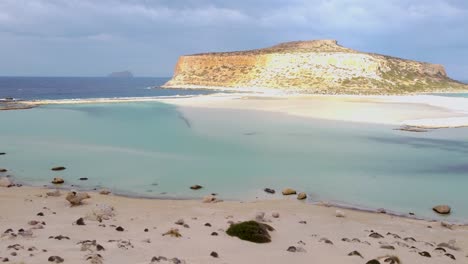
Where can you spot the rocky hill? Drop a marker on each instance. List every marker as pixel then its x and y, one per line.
pixel 317 66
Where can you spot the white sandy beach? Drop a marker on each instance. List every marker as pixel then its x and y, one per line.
pixel 425 111
pixel 22 204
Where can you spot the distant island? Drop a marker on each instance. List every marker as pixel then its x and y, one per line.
pixel 125 74
pixel 316 66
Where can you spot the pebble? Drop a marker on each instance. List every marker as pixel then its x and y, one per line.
pixel 339 213
pixel 56 259
pixel 80 221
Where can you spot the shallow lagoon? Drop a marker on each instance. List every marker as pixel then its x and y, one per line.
pixel 157 150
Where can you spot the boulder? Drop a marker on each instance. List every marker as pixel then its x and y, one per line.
pixel 339 213
pixel 55 193
pixel 442 209
pixel 3 170
pixel 104 191
pixel 210 199
pixel 289 191
pixel 60 168
pixel 251 231
pixel 301 196
pixel 76 198
pixel 58 180
pixel 101 212
pixel 196 187
pixel 5 182
pixel 270 191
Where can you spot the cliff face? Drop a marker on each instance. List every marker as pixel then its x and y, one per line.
pixel 319 66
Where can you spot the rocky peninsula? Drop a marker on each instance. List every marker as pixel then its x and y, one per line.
pixel 317 66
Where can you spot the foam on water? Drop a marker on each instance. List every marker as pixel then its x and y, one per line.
pixel 157 150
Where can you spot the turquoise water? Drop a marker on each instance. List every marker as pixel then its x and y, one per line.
pixel 465 95
pixel 156 150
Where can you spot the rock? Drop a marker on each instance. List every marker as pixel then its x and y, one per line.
pixel 56 259
pixel 275 215
pixel 409 239
pixel 55 193
pixel 251 231
pixel 3 170
pixel 120 229
pixel 40 214
pixel 339 213
pixel 260 217
pixel 80 221
pixel 208 224
pixel 326 241
pixel 214 233
pixel 104 191
pixel 291 249
pixel 301 196
pixel 385 246
pixel 270 191
pixel 180 222
pixel 214 254
pixel 146 230
pixel 196 187
pixel 60 168
pixel 289 191
pixel 446 225
pixel 2 153
pixel 83 179
pixel 355 253
pixel 95 259
pixel 381 210
pixel 442 209
pixel 75 198
pixel 392 260
pixel 101 212
pixel 425 254
pixel 450 256
pixel 375 235
pixel 210 199
pixel 58 180
pixel 373 261
pixel 6 182
pixel 173 232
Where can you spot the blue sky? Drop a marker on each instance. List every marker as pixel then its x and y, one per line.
pixel 95 37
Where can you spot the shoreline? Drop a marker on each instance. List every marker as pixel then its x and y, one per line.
pixel 266 198
pixel 305 226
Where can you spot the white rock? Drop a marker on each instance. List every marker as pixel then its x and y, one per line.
pixel 210 199
pixel 76 198
pixel 55 193
pixel 104 191
pixel 339 213
pixel 260 217
pixel 101 212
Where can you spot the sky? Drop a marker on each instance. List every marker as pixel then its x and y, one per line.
pixel 96 37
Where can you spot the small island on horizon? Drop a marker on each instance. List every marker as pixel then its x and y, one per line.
pixel 316 67
pixel 121 74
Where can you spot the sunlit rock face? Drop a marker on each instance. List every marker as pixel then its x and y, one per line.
pixel 317 66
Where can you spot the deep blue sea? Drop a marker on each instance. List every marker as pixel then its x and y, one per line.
pixel 40 88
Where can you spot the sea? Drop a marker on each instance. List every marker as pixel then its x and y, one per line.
pixel 158 150
pixel 49 88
